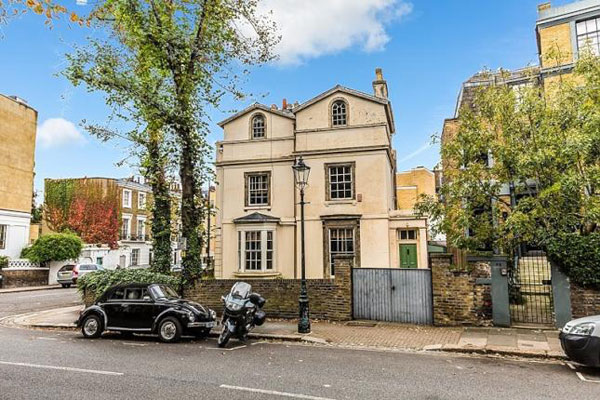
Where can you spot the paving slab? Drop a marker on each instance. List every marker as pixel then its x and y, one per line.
pixel 505 339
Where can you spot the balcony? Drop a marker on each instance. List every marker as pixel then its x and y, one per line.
pixel 126 237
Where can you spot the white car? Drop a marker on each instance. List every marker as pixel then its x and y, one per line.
pixel 580 340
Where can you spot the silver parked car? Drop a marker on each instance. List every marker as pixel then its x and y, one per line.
pixel 580 339
pixel 69 273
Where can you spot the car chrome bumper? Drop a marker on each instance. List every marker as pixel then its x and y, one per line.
pixel 210 324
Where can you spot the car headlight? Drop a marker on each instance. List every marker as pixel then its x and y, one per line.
pixel 191 317
pixel 585 329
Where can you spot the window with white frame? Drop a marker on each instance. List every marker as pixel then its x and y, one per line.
pixel 258 126
pixel 256 250
pixel 135 257
pixel 341 242
pixel 588 35
pixel 125 227
pixel 339 113
pixel 127 198
pixel 340 182
pixel 257 189
pixel 141 200
pixel 407 234
pixel 3 231
pixel 141 228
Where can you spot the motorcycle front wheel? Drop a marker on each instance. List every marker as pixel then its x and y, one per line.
pixel 224 336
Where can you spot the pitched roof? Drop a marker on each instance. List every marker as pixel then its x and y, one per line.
pixel 256 218
pixel 257 106
pixel 339 88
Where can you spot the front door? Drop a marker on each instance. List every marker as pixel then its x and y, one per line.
pixel 408 256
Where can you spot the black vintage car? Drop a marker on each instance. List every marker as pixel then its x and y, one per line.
pixel 143 308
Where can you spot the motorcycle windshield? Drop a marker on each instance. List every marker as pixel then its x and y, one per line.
pixel 241 290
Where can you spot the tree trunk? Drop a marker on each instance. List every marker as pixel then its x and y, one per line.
pixel 161 209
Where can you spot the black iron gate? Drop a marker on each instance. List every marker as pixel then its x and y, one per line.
pixel 530 288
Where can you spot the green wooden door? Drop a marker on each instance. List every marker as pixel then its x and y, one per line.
pixel 408 256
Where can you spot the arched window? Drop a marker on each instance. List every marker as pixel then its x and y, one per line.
pixel 338 113
pixel 258 126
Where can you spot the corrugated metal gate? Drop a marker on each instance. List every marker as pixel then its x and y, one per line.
pixel 398 295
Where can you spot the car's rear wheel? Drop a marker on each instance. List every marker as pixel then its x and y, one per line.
pixel 91 327
pixel 169 330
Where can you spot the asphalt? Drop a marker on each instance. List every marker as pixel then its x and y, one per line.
pixel 41 364
pixel 12 303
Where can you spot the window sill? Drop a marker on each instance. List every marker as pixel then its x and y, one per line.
pixel 250 208
pixel 340 202
pixel 257 274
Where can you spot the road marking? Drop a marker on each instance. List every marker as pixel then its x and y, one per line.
pixel 46 338
pixel 571 365
pixel 275 393
pixel 135 344
pixel 87 371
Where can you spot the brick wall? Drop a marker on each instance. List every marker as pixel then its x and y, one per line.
pixel 330 299
pixel 23 277
pixel 584 302
pixel 459 296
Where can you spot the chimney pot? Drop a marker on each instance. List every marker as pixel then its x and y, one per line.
pixel 544 6
pixel 284 104
pixel 378 74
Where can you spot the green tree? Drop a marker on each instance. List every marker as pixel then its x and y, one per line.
pixel 198 50
pixel 54 247
pixel 543 143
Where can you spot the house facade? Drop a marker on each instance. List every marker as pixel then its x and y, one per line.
pixel 18 124
pixel 345 137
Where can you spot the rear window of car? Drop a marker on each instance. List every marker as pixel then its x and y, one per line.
pixel 67 268
pixel 88 267
pixel 118 294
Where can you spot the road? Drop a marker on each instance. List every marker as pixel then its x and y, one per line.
pixel 23 302
pixel 62 365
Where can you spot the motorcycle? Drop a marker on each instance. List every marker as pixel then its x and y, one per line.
pixel 242 312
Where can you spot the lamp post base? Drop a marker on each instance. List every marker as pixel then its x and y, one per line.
pixel 304 321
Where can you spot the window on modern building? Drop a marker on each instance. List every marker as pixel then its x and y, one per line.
pixel 408 234
pixel 141 229
pixel 588 35
pixel 126 198
pixel 339 113
pixel 256 250
pixel 135 257
pixel 341 242
pixel 141 200
pixel 125 227
pixel 3 231
pixel 341 185
pixel 258 126
pixel 257 189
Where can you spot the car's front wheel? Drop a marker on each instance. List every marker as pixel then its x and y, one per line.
pixel 169 330
pixel 91 327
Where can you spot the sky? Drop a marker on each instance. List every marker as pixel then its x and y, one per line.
pixel 426 49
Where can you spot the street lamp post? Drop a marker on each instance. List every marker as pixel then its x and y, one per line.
pixel 301 173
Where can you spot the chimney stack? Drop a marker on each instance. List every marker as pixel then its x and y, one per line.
pixel 380 88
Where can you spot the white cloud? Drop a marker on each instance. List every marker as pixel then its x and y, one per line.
pixel 311 28
pixel 55 132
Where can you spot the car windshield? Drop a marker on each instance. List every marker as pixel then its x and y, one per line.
pixel 88 267
pixel 163 292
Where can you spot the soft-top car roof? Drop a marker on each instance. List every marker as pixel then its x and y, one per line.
pixel 123 286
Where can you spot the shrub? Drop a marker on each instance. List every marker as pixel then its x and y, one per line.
pixel 98 282
pixel 3 262
pixel 54 247
pixel 578 257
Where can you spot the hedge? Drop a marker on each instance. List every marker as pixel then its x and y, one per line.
pixel 578 257
pixel 98 282
pixel 54 247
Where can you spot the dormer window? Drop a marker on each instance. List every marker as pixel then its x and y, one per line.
pixel 339 113
pixel 258 126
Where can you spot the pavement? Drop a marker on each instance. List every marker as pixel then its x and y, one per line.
pixel 30 288
pixel 364 335
pixel 60 364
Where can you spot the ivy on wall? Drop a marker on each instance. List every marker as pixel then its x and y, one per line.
pixel 88 207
